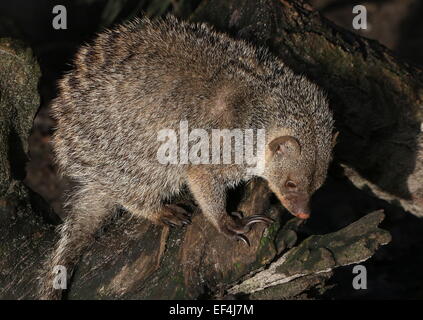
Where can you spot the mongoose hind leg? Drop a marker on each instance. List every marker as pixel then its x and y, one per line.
pixel 88 208
pixel 210 193
pixel 160 214
pixel 174 215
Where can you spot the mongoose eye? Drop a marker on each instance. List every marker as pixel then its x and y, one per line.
pixel 290 184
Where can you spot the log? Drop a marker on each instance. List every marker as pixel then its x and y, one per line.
pixel 23 229
pixel 319 254
pixel 19 101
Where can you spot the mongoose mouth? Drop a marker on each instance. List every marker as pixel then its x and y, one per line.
pixel 297 204
pixel 302 215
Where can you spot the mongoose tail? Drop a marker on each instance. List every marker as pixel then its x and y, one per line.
pixel 88 209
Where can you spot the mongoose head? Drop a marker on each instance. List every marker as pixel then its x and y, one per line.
pixel 295 170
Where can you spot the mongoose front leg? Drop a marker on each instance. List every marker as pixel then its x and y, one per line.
pixel 210 193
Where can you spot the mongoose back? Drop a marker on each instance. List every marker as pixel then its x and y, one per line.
pixel 149 75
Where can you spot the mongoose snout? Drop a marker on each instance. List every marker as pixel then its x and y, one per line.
pixel 142 77
pixel 297 204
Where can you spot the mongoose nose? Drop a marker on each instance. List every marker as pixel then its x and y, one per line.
pixel 303 215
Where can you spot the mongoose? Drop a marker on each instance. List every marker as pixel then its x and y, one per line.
pixel 147 75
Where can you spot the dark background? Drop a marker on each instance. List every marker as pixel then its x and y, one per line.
pixel 394 272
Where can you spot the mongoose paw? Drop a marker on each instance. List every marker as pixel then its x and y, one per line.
pixel 174 216
pixel 236 226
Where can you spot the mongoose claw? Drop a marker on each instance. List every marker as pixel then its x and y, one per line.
pixel 237 214
pixel 175 216
pixel 230 233
pixel 236 227
pixel 243 238
pixel 243 225
pixel 257 218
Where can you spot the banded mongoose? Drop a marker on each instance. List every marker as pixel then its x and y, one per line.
pixel 148 75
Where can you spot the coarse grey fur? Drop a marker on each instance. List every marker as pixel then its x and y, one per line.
pixel 148 75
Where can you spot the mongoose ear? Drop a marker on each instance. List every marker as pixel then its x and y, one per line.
pixel 285 144
pixel 334 137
